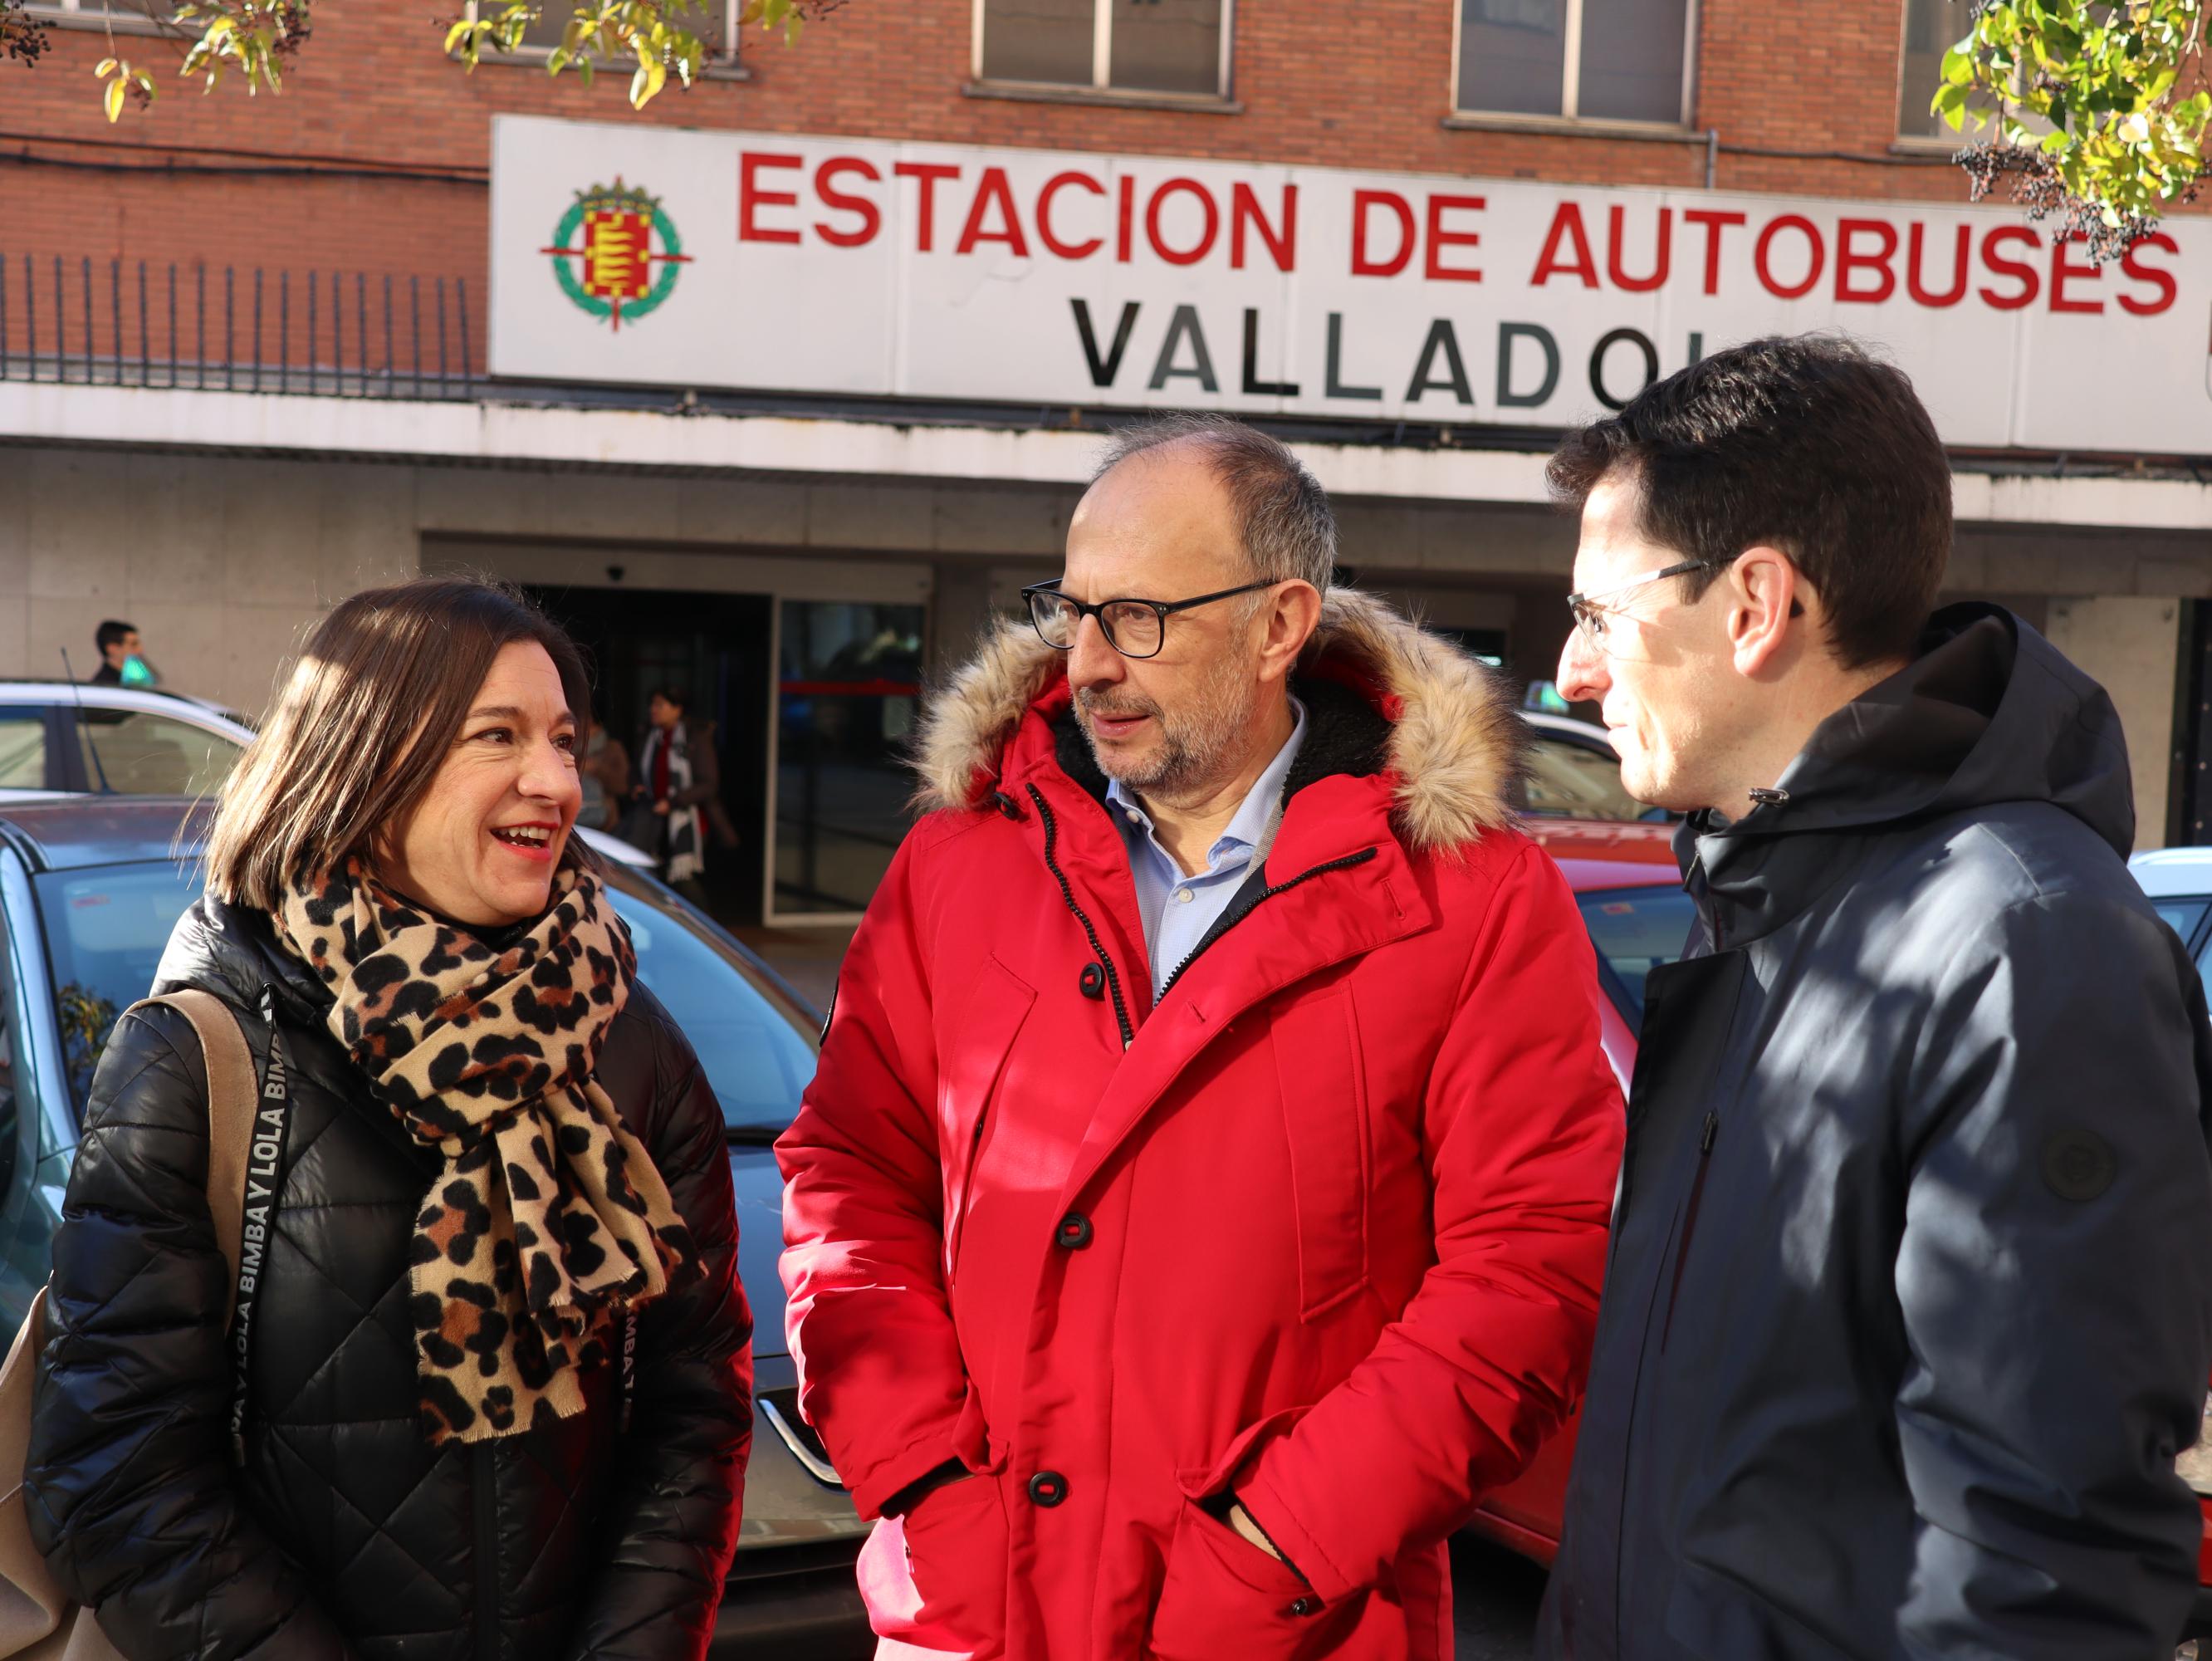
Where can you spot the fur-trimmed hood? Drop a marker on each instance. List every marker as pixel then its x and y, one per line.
pixel 1453 753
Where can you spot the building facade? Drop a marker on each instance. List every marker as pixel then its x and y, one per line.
pixel 782 388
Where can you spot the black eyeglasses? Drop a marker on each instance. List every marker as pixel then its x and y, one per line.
pixel 1134 628
pixel 1590 610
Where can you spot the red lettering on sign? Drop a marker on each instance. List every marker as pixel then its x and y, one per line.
pixel 2064 271
pixel 1616 233
pixel 1774 227
pixel 1962 258
pixel 1362 264
pixel 994 192
pixel 2003 267
pixel 1124 219
pixel 872 218
pixel 1204 245
pixel 1849 260
pixel 1433 266
pixel 1244 211
pixel 1052 187
pixel 751 197
pixel 925 175
pixel 1567 226
pixel 1715 222
pixel 2161 280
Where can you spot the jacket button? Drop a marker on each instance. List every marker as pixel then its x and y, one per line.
pixel 1006 804
pixel 1074 1233
pixel 1306 1606
pixel 1047 1488
pixel 1092 982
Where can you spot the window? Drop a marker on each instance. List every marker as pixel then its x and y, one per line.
pixel 1932 28
pixel 135 753
pixel 23 749
pixel 1584 60
pixel 1567 779
pixel 124 16
pixel 717 25
pixel 1636 930
pixel 1179 47
pixel 106 929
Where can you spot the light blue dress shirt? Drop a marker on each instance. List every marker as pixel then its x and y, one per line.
pixel 1178 909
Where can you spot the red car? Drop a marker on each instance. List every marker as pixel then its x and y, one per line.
pixel 1630 890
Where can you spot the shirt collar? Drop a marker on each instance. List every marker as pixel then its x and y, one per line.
pixel 1249 823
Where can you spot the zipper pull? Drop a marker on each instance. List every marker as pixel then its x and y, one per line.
pixel 1712 1130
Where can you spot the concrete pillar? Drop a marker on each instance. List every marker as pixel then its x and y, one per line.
pixel 2130 644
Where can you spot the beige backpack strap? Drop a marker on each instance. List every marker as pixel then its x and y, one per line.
pixel 233 1095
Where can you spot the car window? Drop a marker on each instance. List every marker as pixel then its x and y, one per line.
pixel 136 752
pixel 105 929
pixel 1569 780
pixel 2182 916
pixel 23 749
pixel 757 1055
pixel 1636 930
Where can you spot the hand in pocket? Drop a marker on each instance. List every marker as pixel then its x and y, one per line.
pixel 935 1579
pixel 1224 1597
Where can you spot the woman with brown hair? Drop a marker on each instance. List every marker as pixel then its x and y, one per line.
pixel 491 1390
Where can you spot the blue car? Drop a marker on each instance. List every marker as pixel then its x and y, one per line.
pixel 90 887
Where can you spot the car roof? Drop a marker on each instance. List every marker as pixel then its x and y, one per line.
pixel 1609 854
pixel 2167 871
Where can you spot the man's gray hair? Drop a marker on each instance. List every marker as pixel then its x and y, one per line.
pixel 1283 515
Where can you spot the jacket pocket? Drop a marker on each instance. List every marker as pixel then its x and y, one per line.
pixel 1221 1596
pixel 970 1065
pixel 1324 1094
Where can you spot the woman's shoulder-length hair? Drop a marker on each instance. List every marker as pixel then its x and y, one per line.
pixel 361 724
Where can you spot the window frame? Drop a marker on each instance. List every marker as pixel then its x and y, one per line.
pixel 727 65
pixel 102 17
pixel 1945 141
pixel 1570 71
pixel 1101 85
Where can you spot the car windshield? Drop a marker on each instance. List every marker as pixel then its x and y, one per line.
pixel 1636 930
pixel 105 929
pixel 1576 780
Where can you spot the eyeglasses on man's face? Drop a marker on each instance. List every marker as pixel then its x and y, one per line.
pixel 1134 628
pixel 1590 611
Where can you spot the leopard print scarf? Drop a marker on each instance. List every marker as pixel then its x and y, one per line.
pixel 522 1253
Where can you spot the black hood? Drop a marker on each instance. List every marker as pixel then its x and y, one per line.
pixel 1990 713
pixel 232 951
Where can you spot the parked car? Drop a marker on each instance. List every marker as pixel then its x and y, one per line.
pixel 131 741
pixel 89 889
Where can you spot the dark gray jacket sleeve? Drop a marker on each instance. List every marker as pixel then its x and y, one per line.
pixel 2055 1278
pixel 128 1480
pixel 672 1522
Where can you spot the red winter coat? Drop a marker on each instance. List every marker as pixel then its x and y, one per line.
pixel 1326 1226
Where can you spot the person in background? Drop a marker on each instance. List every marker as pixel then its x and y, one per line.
pixel 1202 1197
pixel 680 781
pixel 604 774
pixel 1910 1304
pixel 498 1168
pixel 120 661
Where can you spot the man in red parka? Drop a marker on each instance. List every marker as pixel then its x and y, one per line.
pixel 1202 1195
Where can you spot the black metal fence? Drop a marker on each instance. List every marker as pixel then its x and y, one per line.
pixel 332 334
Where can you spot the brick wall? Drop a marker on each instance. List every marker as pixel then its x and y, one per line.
pixel 1363 85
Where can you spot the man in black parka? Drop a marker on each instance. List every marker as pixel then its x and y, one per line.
pixel 1910 1304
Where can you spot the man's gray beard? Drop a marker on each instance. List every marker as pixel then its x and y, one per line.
pixel 1196 742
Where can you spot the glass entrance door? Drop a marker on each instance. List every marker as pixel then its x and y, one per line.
pixel 849 687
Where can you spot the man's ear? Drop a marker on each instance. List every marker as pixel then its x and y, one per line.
pixel 1766 609
pixel 1289 623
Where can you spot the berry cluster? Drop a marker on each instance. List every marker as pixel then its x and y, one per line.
pixel 2036 186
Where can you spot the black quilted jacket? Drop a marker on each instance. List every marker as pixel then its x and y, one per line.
pixel 345 1534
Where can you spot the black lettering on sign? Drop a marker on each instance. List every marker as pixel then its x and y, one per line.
pixel 1336 386
pixel 1442 340
pixel 1102 371
pixel 1184 325
pixel 1253 384
pixel 1509 335
pixel 1643 343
